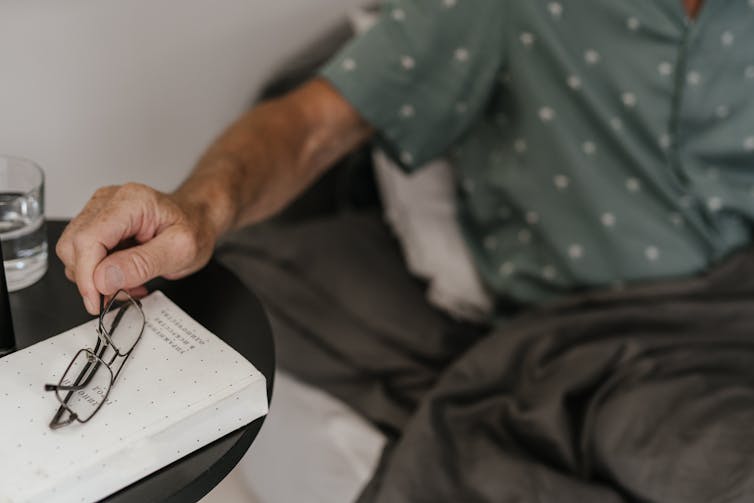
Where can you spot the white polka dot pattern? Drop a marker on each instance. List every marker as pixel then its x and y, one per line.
pixel 461 54
pixel 407 111
pixel 527 39
pixel 665 141
pixel 546 114
pixel 749 143
pixel 652 253
pixel 629 99
pixel 575 251
pixel 561 182
pixel 693 78
pixel 408 62
pixel 665 68
pixel 582 110
pixel 348 64
pixel 608 219
pixel 506 268
pixel 592 57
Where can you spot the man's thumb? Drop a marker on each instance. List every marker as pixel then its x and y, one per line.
pixel 132 267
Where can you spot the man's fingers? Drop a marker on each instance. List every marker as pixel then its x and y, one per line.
pixel 64 250
pixel 89 253
pixel 64 247
pixel 172 250
pixel 91 245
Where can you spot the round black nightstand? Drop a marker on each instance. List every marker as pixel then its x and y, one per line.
pixel 216 299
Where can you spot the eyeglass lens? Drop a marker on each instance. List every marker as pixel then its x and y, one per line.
pixel 93 378
pixel 124 323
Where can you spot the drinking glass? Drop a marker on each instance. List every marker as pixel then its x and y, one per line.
pixel 22 223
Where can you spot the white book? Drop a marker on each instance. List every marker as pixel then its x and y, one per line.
pixel 181 388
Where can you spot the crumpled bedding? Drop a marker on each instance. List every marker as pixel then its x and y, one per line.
pixel 644 394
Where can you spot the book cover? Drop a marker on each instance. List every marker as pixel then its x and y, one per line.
pixel 181 388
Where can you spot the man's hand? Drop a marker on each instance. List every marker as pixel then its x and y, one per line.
pixel 171 238
pixel 259 164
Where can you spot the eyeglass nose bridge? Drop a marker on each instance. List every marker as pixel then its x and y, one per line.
pixel 107 341
pixel 104 336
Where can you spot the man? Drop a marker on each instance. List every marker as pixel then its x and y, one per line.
pixel 596 144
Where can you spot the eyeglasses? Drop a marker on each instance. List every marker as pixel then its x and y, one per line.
pixel 88 379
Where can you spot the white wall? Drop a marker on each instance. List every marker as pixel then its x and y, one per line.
pixel 105 91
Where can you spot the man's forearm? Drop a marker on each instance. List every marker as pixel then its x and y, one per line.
pixel 270 155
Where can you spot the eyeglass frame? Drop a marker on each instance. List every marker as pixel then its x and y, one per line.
pixel 95 357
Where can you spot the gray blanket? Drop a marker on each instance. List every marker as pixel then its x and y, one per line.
pixel 641 395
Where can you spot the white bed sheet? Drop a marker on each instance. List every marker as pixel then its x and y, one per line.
pixel 312 448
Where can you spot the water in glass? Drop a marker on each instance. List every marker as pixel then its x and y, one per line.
pixel 23 234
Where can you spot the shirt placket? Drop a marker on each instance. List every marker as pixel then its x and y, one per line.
pixel 688 199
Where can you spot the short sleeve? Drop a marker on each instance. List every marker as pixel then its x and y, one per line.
pixel 423 73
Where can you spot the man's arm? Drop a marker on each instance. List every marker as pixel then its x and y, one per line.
pixel 256 167
pixel 271 154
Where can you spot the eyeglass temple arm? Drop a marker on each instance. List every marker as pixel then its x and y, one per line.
pixel 63 387
pixel 56 423
pixel 78 385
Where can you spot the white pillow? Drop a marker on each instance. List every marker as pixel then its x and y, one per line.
pixel 421 209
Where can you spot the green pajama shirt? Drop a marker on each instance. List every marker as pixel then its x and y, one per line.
pixel 594 143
